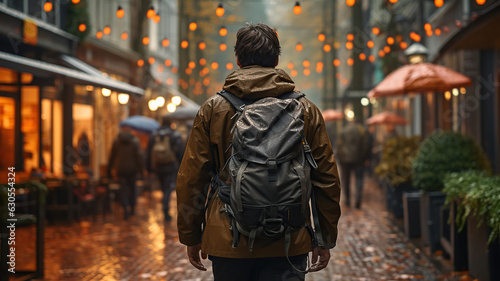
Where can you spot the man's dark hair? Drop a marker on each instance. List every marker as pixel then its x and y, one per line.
pixel 257 45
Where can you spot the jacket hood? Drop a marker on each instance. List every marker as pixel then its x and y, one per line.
pixel 254 82
pixel 125 137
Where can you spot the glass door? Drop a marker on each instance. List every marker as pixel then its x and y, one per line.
pixel 7 136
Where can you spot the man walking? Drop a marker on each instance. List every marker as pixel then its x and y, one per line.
pixel 257 50
pixel 164 153
pixel 353 148
pixel 126 163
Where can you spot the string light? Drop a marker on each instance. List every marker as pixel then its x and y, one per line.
pixel 98 35
pixel 403 45
pixel 290 65
pixel 376 30
pixel 47 7
pixel 229 66
pixel 297 9
pixel 120 13
pixel 165 42
pixel 362 56
pixel 350 37
pixel 157 18
pixel 151 12
pixel 75 1
pixel 327 48
pixel 390 40
pixel 306 63
pixel 193 26
pixel 214 65
pixel 124 35
pixel 168 63
pixel 336 62
pixel 437 31
pixel 387 49
pixel 202 45
pixel 350 3
pixel 151 60
pixel 299 47
pixel 223 31
pixel 350 61
pixel 223 47
pixel 321 37
pixel 438 3
pixel 107 30
pixel 480 2
pixel 140 62
pixel 184 44
pixel 82 27
pixel 370 44
pixel 371 58
pixel 349 45
pixel 145 40
pixel 393 1
pixel 220 10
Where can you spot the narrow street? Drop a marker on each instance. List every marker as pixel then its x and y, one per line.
pixel 370 247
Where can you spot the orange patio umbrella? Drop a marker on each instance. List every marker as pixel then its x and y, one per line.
pixel 419 78
pixel 332 114
pixel 386 117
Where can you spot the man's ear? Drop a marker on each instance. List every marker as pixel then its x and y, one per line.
pixel 277 61
pixel 238 62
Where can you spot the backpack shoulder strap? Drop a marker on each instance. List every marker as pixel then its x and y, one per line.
pixel 239 104
pixel 291 95
pixel 236 102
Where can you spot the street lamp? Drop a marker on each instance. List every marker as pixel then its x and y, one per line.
pixel 416 53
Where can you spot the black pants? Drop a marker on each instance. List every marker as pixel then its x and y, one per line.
pixel 345 178
pixel 258 269
pixel 127 193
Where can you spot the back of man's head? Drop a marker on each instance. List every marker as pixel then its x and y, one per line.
pixel 257 45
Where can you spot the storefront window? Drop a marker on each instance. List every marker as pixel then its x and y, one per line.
pixel 8 76
pixel 52 137
pixel 30 127
pixel 7 135
pixel 83 120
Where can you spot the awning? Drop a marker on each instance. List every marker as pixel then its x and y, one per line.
pixel 479 34
pixel 45 69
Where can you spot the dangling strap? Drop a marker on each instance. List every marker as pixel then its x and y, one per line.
pixel 317 227
pixel 288 241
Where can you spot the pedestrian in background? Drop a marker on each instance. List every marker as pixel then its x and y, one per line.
pixel 126 164
pixel 257 51
pixel 353 148
pixel 164 154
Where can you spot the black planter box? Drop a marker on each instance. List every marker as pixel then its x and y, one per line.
pixel 411 211
pixel 430 215
pixel 394 198
pixel 484 259
pixel 453 241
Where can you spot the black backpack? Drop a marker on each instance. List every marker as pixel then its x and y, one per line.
pixel 269 168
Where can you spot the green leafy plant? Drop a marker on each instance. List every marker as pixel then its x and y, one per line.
pixel 442 153
pixel 397 156
pixel 476 193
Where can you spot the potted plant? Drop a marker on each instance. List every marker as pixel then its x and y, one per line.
pixel 477 199
pixel 439 154
pixel 395 169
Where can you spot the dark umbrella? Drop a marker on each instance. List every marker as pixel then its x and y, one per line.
pixel 182 113
pixel 140 123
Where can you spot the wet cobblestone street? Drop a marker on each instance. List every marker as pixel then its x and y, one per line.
pixel 370 247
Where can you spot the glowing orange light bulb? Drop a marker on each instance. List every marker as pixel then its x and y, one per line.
pixel 350 3
pixel 156 18
pixel 47 7
pixel 82 27
pixel 321 37
pixel 220 10
pixel 202 45
pixel 193 26
pixel 299 47
pixel 350 37
pixel 297 9
pixel 165 42
pixel 223 31
pixel 124 35
pixel 75 1
pixel 327 48
pixel 376 30
pixel 151 12
pixel 107 30
pixel 184 44
pixel 438 3
pixel 145 40
pixel 480 2
pixel 140 63
pixel 120 13
pixel 370 44
pixel 223 47
pixel 390 40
